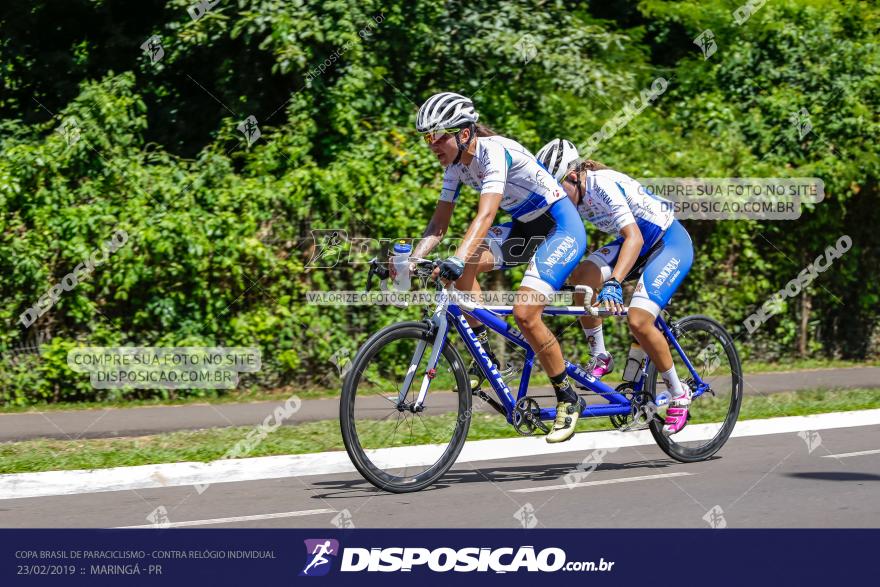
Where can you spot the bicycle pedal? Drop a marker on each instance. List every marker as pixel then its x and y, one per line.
pixel 642 418
pixel 540 424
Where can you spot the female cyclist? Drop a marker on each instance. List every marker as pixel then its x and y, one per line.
pixel 546 231
pixel 648 236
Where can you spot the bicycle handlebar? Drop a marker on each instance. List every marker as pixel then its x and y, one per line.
pixel 424 268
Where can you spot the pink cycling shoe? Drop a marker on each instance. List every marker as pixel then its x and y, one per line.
pixel 601 365
pixel 677 413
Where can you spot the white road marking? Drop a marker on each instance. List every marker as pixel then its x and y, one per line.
pixel 601 482
pixel 233 519
pixel 23 485
pixel 853 454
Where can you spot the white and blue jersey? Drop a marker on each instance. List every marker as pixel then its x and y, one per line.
pixel 503 166
pixel 612 201
pixel 546 231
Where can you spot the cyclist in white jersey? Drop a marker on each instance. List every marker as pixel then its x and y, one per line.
pixel 649 241
pixel 506 176
pixel 501 165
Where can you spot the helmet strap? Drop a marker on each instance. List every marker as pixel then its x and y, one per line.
pixel 462 147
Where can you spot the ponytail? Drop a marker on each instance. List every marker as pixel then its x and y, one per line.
pixel 589 165
pixel 481 130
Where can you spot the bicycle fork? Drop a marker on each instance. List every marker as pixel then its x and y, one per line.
pixel 440 328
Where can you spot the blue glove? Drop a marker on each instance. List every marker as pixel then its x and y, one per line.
pixel 611 292
pixel 452 268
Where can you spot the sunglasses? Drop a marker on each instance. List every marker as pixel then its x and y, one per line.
pixel 434 136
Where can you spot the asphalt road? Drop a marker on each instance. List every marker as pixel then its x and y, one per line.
pixel 757 481
pixel 111 422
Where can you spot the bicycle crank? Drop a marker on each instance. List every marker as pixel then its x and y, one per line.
pixel 641 417
pixel 643 410
pixel 527 417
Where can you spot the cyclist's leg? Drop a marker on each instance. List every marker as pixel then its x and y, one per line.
pixel 552 263
pixel 489 256
pixel 480 262
pixel 594 272
pixel 663 274
pixel 509 245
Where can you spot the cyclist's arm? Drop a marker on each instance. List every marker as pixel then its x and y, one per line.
pixel 436 229
pixel 493 164
pixel 479 228
pixel 611 201
pixel 629 250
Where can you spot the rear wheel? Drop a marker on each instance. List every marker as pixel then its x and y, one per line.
pixel 713 414
pixel 373 417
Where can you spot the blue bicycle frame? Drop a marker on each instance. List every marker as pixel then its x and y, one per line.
pixel 450 312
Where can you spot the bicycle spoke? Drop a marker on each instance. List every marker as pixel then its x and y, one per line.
pixel 367 426
pixel 712 415
pixel 430 434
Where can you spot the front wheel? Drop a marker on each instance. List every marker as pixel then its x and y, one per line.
pixel 712 415
pixel 373 417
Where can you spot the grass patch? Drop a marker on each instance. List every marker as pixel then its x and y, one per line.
pixel 207 445
pixel 803 364
pixel 222 397
pixel 539 379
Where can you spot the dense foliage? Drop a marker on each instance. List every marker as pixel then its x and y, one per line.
pixel 97 138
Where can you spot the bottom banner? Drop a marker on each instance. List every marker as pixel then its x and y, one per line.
pixel 392 557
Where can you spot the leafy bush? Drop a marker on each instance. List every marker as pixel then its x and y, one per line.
pixel 219 232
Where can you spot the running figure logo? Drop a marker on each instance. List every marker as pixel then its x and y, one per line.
pixel 317 552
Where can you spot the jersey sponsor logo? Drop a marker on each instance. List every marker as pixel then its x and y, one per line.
pixel 670 266
pixel 605 251
pixel 484 158
pixel 604 195
pixel 469 177
pixel 570 256
pixel 565 246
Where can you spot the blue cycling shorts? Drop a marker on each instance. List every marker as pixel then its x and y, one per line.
pixel 552 244
pixel 665 266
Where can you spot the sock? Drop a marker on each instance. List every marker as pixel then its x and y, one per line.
pixel 595 340
pixel 482 334
pixel 562 386
pixel 670 378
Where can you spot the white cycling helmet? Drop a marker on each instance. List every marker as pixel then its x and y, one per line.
pixel 446 110
pixel 557 156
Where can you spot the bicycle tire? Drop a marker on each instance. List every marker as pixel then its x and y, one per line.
pixel 358 455
pixel 694 454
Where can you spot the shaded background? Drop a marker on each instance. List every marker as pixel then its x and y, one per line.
pixel 220 231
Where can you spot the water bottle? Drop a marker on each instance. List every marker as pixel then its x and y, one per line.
pixel 400 266
pixel 632 371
